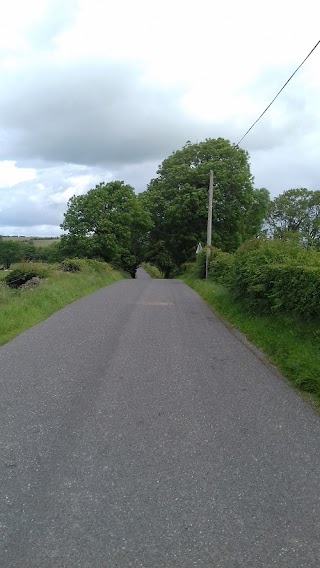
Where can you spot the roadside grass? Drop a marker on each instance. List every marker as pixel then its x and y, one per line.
pixel 152 270
pixel 21 309
pixel 291 344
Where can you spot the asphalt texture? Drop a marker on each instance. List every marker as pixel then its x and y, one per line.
pixel 138 431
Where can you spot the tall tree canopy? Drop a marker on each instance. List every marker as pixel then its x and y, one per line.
pixel 108 222
pixel 296 211
pixel 177 200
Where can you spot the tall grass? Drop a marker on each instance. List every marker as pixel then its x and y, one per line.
pixel 290 343
pixel 21 309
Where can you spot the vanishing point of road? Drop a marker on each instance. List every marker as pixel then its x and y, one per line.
pixel 138 431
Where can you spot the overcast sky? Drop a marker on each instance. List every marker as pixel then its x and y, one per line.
pixel 95 90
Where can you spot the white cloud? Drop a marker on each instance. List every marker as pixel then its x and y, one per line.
pixel 11 175
pixel 16 16
pixel 80 184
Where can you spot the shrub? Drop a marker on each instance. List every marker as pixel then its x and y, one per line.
pixel 293 289
pixel 276 276
pixel 190 268
pixel 71 265
pixel 221 267
pixel 96 265
pixel 42 270
pixel 20 276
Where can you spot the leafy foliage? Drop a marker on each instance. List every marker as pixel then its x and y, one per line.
pixel 276 276
pixel 190 269
pixel 267 276
pixel 291 288
pixel 70 265
pixel 14 250
pixel 108 223
pixel 296 211
pixel 177 201
pixel 22 274
pixel 10 252
pixel 52 253
pixel 221 265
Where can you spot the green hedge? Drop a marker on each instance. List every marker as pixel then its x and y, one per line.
pixel 268 276
pixel 190 268
pixel 275 276
pixel 285 288
pixel 221 267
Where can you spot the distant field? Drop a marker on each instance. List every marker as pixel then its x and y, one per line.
pixel 38 242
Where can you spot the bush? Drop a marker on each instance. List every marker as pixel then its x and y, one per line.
pixel 21 275
pixel 190 268
pixel 71 265
pixel 84 264
pixel 290 288
pixel 276 276
pixel 96 265
pixel 221 267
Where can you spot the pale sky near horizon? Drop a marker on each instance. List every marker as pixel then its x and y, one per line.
pixel 95 90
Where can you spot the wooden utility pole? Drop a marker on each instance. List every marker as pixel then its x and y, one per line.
pixel 209 229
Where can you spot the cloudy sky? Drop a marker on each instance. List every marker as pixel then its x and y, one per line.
pixel 94 90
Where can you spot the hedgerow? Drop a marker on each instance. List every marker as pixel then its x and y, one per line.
pixel 269 276
pixel 275 276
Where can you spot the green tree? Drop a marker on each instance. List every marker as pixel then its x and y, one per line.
pixel 29 251
pixel 52 253
pixel 10 252
pixel 295 212
pixel 108 222
pixel 177 201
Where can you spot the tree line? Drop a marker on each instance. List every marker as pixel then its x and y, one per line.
pixel 15 251
pixel 164 223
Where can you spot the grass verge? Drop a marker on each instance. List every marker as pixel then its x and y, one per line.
pixel 291 344
pixel 152 270
pixel 21 309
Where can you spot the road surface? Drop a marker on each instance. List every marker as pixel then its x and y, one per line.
pixel 138 431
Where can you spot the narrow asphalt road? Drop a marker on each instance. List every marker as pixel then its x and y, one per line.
pixel 138 431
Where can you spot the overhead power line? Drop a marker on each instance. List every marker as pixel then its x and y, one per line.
pixel 265 110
